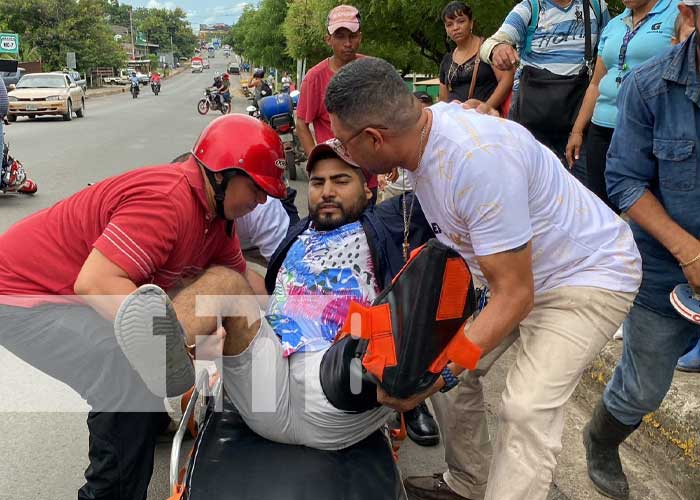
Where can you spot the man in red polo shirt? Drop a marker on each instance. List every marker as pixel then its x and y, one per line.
pixel 65 270
pixel 343 37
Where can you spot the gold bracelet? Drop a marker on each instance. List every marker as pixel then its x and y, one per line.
pixel 691 261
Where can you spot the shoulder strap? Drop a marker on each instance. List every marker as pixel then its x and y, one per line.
pixel 532 27
pixel 588 53
pixel 472 85
pixel 598 11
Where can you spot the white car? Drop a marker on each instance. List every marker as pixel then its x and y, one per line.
pixel 197 67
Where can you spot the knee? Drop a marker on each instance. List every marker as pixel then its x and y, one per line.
pixel 222 280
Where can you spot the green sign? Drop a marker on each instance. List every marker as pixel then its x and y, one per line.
pixel 9 43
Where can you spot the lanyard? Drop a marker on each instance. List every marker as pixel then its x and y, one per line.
pixel 621 64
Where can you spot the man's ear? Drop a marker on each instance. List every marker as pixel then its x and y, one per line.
pixel 368 191
pixel 327 39
pixel 376 136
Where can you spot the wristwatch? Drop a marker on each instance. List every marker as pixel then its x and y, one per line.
pixel 451 381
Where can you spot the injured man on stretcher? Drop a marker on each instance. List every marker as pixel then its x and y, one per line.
pixel 343 252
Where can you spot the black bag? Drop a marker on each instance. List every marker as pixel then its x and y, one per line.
pixel 413 329
pixel 549 103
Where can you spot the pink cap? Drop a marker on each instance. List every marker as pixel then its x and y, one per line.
pixel 333 146
pixel 344 16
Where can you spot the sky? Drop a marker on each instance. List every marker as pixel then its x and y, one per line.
pixel 200 11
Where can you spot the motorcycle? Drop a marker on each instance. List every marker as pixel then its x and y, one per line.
pixel 134 90
pixel 212 101
pixel 155 87
pixel 13 177
pixel 278 112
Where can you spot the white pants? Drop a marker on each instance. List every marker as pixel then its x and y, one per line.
pixel 281 399
pixel 561 336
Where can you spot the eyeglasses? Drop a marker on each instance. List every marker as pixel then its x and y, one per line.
pixel 342 146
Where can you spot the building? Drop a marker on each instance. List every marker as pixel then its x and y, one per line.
pixel 137 55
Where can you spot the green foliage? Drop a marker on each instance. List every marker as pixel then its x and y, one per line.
pixel 50 28
pixel 408 33
pixel 160 25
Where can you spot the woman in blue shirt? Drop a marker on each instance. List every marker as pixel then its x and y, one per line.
pixel 641 32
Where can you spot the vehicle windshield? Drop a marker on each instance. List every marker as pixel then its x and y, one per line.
pixel 42 82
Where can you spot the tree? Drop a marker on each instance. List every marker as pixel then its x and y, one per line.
pixel 51 28
pixel 258 34
pixel 163 26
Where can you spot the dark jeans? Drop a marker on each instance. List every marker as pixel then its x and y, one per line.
pixel 597 144
pixel 652 344
pixel 75 345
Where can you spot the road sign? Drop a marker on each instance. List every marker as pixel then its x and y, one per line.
pixel 70 60
pixel 9 43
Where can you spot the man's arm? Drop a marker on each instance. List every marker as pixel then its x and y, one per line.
pixel 102 284
pixel 509 275
pixel 512 32
pixel 305 137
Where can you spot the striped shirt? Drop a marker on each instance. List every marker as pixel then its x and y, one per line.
pixel 558 44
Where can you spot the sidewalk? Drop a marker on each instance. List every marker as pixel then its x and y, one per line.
pixel 119 89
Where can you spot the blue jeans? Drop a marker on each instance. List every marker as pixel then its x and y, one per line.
pixel 652 344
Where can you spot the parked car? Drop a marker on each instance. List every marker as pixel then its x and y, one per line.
pixel 12 78
pixel 234 69
pixel 40 94
pixel 75 75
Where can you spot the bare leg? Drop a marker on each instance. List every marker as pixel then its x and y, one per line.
pixel 235 304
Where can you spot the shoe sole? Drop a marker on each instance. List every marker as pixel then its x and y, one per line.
pixel 147 330
pixel 422 440
pixel 600 490
pixel 687 370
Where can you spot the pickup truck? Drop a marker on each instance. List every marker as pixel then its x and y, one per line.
pixel 79 80
pixel 11 78
pixel 123 78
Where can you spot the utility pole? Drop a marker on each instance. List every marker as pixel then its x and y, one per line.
pixel 131 23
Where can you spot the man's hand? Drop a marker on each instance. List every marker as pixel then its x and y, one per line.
pixel 481 107
pixel 410 403
pixel 393 175
pixel 504 57
pixel 382 182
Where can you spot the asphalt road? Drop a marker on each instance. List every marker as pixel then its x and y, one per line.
pixel 43 435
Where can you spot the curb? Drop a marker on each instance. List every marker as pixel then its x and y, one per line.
pixel 668 437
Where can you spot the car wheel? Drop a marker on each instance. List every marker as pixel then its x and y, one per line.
pixel 12 118
pixel 69 114
pixel 81 112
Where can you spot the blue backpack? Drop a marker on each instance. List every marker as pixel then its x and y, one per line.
pixel 535 19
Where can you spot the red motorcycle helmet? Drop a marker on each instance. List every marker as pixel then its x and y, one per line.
pixel 239 142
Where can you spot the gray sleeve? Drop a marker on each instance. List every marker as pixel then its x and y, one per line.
pixel 4 102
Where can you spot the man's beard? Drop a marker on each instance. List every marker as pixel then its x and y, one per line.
pixel 327 222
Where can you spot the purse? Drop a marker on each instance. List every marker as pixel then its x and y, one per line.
pixel 547 102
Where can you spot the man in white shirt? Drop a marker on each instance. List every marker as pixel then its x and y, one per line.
pixel 264 228
pixel 562 268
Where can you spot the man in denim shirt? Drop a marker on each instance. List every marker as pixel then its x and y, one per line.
pixel 653 175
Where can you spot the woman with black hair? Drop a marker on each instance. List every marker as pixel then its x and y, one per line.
pixel 462 75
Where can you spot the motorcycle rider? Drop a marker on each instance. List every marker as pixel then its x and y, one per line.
pixel 224 92
pixel 155 78
pixel 12 176
pixel 262 88
pixel 134 82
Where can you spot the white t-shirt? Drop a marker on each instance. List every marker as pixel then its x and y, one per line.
pixel 264 228
pixel 487 186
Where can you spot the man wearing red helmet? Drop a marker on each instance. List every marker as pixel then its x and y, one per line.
pixel 65 271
